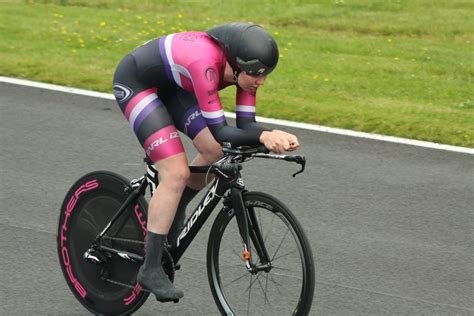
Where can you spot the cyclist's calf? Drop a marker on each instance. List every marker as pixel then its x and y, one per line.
pixel 174 174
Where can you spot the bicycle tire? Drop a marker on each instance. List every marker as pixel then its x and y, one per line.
pixel 88 206
pixel 225 263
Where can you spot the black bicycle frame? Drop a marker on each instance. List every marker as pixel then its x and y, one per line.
pixel 227 176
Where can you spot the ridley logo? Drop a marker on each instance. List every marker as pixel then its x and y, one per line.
pixel 122 92
pixel 209 197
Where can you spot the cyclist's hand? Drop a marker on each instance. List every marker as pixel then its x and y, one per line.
pixel 279 141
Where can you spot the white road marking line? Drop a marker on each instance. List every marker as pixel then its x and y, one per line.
pixel 306 126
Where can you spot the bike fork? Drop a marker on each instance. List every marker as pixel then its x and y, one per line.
pixel 249 231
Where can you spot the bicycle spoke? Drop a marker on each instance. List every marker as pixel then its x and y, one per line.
pixel 237 279
pixel 276 283
pixel 271 225
pixel 287 254
pixel 278 291
pixel 284 269
pixel 250 291
pixel 287 276
pixel 234 265
pixel 264 293
pixel 281 243
pixel 251 283
pixel 266 286
pixel 236 253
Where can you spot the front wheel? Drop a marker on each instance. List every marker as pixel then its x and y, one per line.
pixel 286 288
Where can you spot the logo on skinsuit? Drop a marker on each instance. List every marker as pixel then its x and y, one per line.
pixel 190 119
pixel 210 74
pixel 122 92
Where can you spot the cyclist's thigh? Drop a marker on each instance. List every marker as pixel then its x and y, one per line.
pixel 186 113
pixel 146 113
pixel 184 109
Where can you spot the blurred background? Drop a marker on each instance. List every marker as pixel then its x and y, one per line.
pixel 395 67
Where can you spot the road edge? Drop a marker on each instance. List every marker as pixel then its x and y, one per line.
pixel 313 127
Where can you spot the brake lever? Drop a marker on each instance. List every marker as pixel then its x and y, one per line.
pixel 301 161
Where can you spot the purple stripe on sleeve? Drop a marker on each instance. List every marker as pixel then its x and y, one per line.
pixel 165 59
pixel 193 122
pixel 245 114
pixel 145 112
pixel 217 120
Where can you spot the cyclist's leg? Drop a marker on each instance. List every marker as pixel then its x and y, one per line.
pixel 185 111
pixel 155 130
pixel 157 134
pixel 183 107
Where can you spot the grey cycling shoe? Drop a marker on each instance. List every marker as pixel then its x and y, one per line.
pixel 158 283
pixel 151 274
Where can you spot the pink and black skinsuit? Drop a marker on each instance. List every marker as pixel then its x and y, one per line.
pixel 172 83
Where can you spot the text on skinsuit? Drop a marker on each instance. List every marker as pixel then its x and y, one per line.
pixel 90 185
pixel 209 197
pixel 161 141
pixel 194 115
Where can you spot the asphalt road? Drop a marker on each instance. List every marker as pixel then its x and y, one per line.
pixel 391 225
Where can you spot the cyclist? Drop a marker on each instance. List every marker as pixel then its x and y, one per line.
pixel 172 83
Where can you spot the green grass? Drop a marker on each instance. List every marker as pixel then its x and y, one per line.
pixel 402 68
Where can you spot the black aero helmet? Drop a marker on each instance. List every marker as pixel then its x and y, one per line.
pixel 247 47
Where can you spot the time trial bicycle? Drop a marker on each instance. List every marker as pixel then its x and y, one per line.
pixel 259 261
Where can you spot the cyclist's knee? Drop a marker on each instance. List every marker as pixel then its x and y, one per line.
pixel 209 149
pixel 174 172
pixel 213 152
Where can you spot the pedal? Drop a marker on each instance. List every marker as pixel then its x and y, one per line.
pixel 177 266
pixel 166 300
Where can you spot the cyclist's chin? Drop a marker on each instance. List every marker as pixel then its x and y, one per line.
pixel 251 89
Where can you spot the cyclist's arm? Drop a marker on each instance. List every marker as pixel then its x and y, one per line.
pixel 205 82
pixel 245 111
pixel 275 140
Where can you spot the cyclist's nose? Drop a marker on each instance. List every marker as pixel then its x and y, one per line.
pixel 261 80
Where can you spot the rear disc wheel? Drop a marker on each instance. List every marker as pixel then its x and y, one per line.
pixel 109 288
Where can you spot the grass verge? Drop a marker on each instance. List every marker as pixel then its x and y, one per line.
pixel 401 68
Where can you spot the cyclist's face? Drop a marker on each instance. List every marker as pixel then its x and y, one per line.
pixel 249 83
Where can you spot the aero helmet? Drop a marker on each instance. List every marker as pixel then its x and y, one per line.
pixel 247 47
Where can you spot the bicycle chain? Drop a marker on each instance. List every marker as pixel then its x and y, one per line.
pixel 132 241
pixel 125 285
